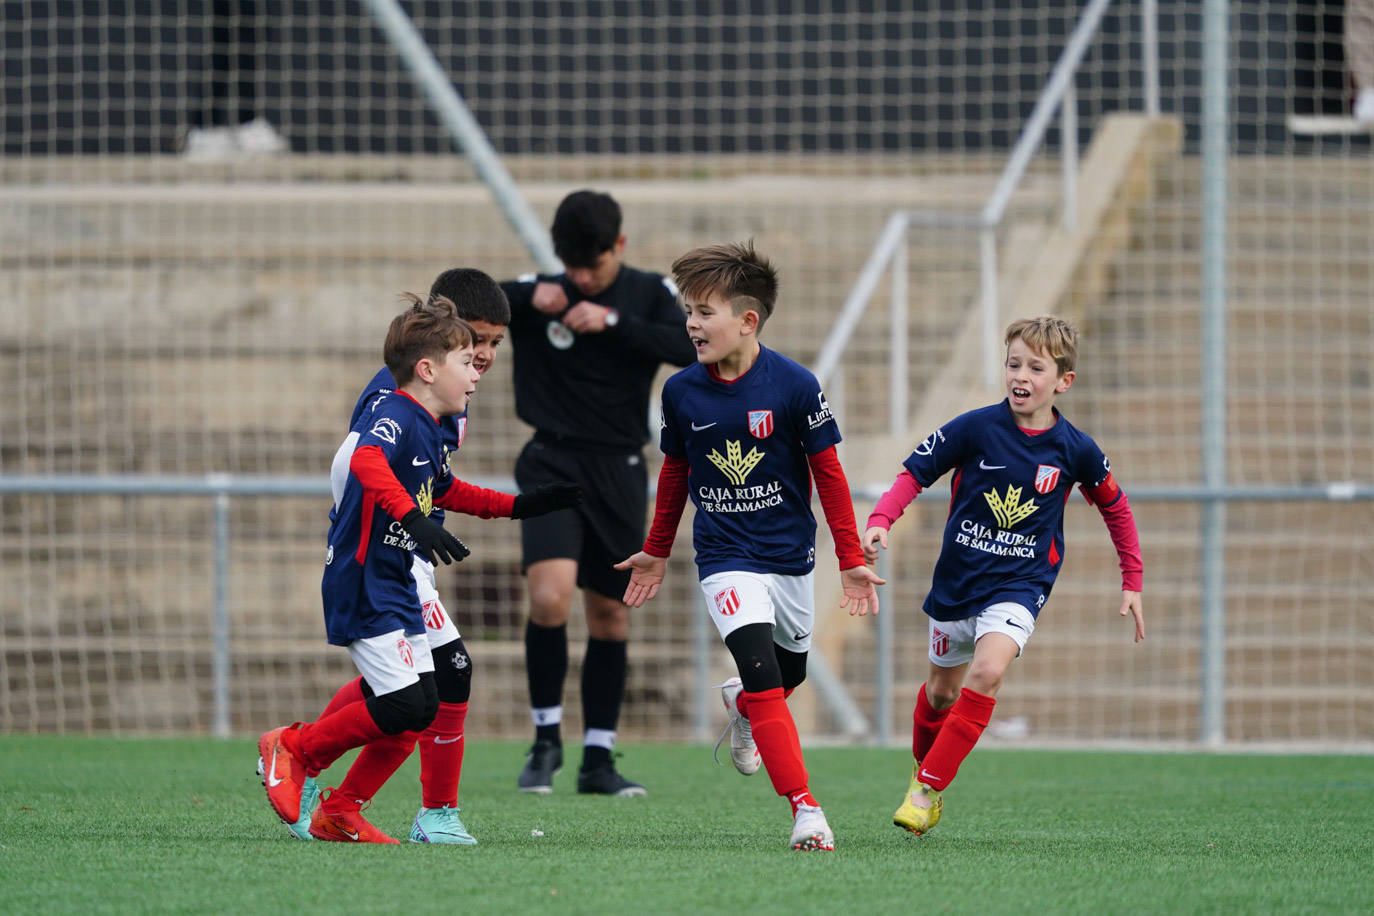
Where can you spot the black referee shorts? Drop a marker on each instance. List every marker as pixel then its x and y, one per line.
pixel 608 526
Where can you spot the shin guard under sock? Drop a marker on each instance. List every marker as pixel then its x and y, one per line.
pixel 441 756
pixel 318 744
pixel 965 723
pixel 776 736
pixel 375 764
pixel 926 721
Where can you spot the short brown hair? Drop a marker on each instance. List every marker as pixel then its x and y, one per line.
pixel 1050 335
pixel 429 329
pixel 741 276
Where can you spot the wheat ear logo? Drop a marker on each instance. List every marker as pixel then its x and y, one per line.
pixel 734 466
pixel 1010 511
pixel 425 498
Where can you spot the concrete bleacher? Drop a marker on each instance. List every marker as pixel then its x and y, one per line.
pixel 222 319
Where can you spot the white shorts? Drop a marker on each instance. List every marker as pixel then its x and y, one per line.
pixel 439 626
pixel 952 641
pixel 391 661
pixel 788 603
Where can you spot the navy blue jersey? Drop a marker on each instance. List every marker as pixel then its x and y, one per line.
pixel 746 443
pixel 1004 539
pixel 454 428
pixel 368 588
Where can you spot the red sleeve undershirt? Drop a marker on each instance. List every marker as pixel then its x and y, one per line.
pixel 893 503
pixel 668 506
pixel 373 471
pixel 1111 501
pixel 370 466
pixel 838 506
pixel 471 499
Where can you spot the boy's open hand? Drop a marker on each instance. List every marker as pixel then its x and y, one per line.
pixel 859 585
pixel 646 575
pixel 873 538
pixel 1131 604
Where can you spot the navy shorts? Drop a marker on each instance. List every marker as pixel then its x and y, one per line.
pixel 609 525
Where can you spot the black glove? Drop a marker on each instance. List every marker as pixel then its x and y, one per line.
pixel 431 539
pixel 549 498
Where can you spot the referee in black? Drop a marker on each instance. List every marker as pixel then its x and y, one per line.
pixel 587 344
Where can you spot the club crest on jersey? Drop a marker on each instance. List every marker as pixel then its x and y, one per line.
pixel 1046 478
pixel 560 336
pixel 727 602
pixel 403 650
pixel 462 431
pixel 761 423
pixel 434 615
pixel 939 642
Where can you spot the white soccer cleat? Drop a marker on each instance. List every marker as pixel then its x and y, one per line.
pixel 810 831
pixel 743 751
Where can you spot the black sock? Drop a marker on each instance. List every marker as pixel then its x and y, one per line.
pixel 546 667
pixel 594 756
pixel 603 682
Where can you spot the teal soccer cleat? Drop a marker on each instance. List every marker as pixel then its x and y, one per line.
pixel 440 825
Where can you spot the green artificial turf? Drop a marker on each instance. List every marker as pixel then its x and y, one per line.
pixel 182 825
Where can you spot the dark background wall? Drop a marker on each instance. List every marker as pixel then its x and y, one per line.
pixel 96 76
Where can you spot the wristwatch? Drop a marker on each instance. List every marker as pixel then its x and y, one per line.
pixel 612 318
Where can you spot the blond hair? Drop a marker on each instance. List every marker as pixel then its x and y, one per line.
pixel 1050 335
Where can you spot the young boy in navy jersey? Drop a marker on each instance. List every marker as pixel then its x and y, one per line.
pixel 393 474
pixel 1015 464
pixel 744 431
pixel 483 305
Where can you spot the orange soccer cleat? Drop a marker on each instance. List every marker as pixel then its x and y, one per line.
pixel 341 820
pixel 282 775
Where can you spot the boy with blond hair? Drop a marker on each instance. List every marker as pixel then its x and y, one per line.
pixel 1015 464
pixel 744 432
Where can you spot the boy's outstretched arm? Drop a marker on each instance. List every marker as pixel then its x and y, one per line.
pixel 858 582
pixel 890 507
pixel 1111 501
pixel 647 566
pixel 646 575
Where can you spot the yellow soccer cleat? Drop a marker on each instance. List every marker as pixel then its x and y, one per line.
pixel 921 808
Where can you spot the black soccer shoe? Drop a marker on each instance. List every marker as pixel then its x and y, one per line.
pixel 604 780
pixel 544 762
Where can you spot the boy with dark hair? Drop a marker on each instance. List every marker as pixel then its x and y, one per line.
pixel 744 432
pixel 588 343
pixel 378 565
pixel 1015 464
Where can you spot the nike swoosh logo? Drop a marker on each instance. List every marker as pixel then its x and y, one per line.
pixel 925 775
pixel 697 429
pixel 800 636
pixel 272 780
pixel 348 833
pixel 799 797
pixel 991 467
pixel 417 462
pixel 1013 623
pixel 438 740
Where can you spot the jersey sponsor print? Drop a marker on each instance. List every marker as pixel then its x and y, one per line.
pixel 747 442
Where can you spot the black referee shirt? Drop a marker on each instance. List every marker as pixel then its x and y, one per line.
pixel 592 390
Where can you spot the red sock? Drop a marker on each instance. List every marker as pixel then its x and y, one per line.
pixel 375 764
pixel 967 718
pixel 925 725
pixel 352 692
pixel 441 756
pixel 776 735
pixel 319 743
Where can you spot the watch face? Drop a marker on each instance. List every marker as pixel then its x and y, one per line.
pixel 612 318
